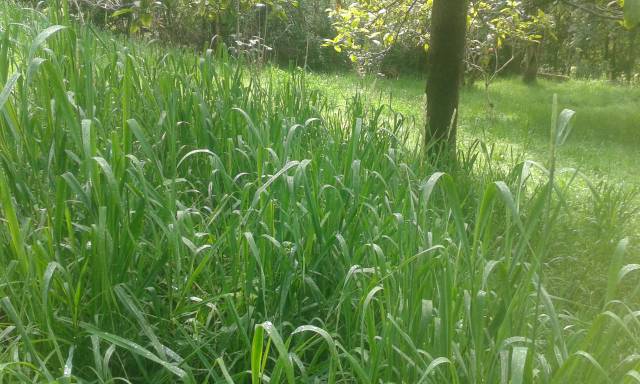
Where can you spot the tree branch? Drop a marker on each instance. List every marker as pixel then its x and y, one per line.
pixel 592 11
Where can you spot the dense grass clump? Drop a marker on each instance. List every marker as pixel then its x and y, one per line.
pixel 171 217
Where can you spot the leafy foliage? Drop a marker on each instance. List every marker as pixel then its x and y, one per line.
pixel 631 13
pixel 190 220
pixel 366 30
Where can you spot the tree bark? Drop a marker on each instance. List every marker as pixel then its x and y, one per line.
pixel 530 75
pixel 631 56
pixel 448 31
pixel 614 61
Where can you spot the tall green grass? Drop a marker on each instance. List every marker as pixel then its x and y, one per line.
pixel 168 217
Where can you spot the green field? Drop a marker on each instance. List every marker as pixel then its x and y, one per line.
pixel 605 142
pixel 171 216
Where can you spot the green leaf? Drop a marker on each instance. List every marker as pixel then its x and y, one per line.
pixel 564 126
pixel 518 361
pixel 256 355
pixel 8 87
pixel 9 309
pixel 281 348
pixel 330 342
pixel 42 37
pixel 631 13
pixel 435 363
pixel 146 19
pixel 120 12
pixel 11 218
pixel 617 264
pixel 134 348
pixel 225 372
pixel 131 306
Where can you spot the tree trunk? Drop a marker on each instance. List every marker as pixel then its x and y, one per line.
pixel 446 55
pixel 631 56
pixel 530 75
pixel 614 61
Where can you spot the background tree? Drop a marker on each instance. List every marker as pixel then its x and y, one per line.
pixel 369 31
pixel 446 55
pixel 499 33
pixel 582 39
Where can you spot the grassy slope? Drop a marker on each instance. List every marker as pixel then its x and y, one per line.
pixel 160 209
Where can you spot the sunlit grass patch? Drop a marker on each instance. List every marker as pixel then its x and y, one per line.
pixel 170 216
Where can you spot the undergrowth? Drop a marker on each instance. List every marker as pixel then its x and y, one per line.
pixel 169 216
